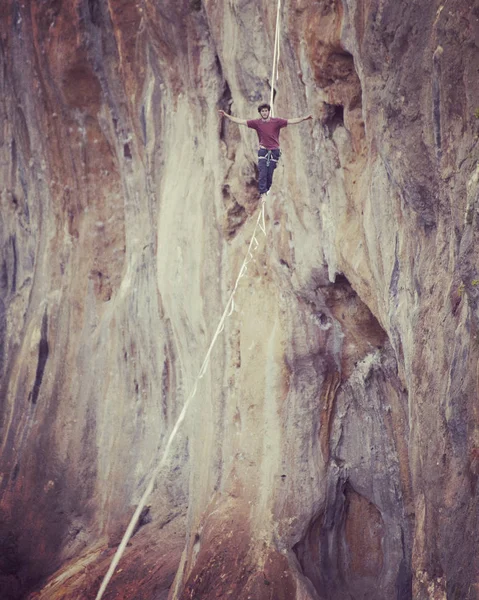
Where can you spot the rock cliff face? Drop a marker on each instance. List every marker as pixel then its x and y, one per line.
pixel 332 451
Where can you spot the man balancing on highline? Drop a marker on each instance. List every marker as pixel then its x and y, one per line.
pixel 268 130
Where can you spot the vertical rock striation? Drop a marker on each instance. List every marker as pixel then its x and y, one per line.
pixel 332 449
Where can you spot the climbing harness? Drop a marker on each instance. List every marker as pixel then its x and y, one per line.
pixel 253 245
pixel 269 157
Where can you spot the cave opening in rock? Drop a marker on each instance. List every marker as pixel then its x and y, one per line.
pixel 334 116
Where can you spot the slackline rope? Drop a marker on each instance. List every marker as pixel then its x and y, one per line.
pixel 253 245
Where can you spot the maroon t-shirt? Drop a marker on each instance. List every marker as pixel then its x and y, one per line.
pixel 268 131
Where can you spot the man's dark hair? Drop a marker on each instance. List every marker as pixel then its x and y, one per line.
pixel 261 106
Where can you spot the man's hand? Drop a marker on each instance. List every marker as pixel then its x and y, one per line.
pixel 308 117
pixel 222 113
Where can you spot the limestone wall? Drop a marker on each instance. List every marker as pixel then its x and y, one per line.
pixel 332 449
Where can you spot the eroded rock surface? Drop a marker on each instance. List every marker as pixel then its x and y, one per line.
pixel 332 451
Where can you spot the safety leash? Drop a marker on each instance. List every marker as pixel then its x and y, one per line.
pixel 275 71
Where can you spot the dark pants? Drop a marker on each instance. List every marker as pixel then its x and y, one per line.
pixel 267 161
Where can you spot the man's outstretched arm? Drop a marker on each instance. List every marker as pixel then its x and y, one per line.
pixel 299 120
pixel 234 119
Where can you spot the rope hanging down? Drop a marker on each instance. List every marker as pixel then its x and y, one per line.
pixel 253 245
pixel 275 71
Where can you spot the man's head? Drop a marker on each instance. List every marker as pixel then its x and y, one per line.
pixel 264 110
